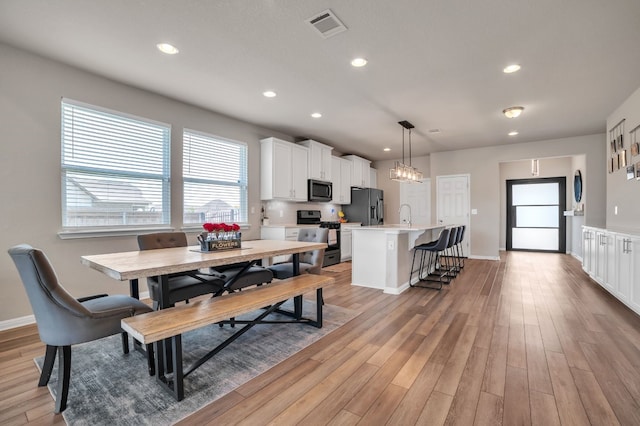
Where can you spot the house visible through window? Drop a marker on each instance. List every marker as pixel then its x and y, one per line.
pixel 215 179
pixel 115 169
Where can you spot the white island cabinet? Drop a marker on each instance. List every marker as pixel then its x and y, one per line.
pixel 381 255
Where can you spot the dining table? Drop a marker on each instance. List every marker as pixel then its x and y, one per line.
pixel 133 265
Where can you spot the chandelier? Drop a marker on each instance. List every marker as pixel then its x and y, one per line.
pixel 402 172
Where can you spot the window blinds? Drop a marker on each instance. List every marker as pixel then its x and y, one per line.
pixel 115 169
pixel 215 179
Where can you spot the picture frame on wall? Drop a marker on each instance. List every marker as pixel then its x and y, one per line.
pixel 620 142
pixel 631 172
pixel 638 170
pixel 613 147
pixel 612 162
pixel 635 149
pixel 622 159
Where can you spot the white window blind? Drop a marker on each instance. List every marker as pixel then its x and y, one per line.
pixel 215 179
pixel 115 169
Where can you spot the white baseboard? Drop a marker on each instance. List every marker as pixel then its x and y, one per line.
pixel 30 319
pixel 484 257
pixel 17 322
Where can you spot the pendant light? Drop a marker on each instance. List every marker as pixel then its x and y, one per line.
pixel 402 172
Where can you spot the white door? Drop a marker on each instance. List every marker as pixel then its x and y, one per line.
pixel 453 204
pixel 418 196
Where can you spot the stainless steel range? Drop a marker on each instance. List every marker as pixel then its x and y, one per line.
pixel 312 217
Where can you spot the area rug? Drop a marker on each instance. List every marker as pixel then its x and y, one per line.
pixel 108 387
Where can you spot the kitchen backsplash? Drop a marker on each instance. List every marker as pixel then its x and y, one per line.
pixel 284 213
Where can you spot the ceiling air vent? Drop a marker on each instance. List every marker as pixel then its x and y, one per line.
pixel 327 24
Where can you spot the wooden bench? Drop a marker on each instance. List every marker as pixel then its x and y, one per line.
pixel 164 328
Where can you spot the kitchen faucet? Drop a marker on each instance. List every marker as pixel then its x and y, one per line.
pixel 408 222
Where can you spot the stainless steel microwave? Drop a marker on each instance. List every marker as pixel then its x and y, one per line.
pixel 319 190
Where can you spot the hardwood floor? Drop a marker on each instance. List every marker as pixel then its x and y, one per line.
pixel 526 340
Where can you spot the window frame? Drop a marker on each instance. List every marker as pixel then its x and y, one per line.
pixel 68 232
pixel 244 193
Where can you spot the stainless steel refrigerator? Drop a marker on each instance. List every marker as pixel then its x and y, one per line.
pixel 367 206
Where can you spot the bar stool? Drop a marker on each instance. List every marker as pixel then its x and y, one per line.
pixel 458 247
pixel 431 270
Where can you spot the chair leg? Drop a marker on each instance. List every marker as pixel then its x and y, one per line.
pixel 125 342
pixel 47 367
pixel 64 374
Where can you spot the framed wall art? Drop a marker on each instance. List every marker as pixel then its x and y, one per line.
pixel 631 172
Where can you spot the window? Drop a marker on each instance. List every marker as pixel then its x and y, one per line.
pixel 115 169
pixel 215 179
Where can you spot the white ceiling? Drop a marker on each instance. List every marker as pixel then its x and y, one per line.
pixel 437 64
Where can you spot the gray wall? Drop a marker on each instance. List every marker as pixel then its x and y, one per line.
pixel 31 89
pixel 622 192
pixel 483 164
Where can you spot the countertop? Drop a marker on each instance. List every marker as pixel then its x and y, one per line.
pixel 398 228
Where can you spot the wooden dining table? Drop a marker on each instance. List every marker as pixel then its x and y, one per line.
pixel 133 265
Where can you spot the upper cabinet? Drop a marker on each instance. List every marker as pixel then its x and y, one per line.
pixel 374 178
pixel 319 159
pixel 360 174
pixel 283 170
pixel 341 180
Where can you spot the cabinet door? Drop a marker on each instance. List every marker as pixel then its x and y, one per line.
pixel 282 158
pixel 601 257
pixel 300 173
pixel 373 181
pixel 315 162
pixel 345 245
pixel 356 173
pixel 336 196
pixel 587 238
pixel 633 247
pixel 366 174
pixel 345 181
pixel 624 263
pixel 611 274
pixel 326 168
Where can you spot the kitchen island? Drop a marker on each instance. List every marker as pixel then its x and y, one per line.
pixel 382 254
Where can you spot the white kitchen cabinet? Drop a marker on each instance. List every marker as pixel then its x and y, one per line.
pixel 341 180
pixel 602 241
pixel 633 254
pixel 588 250
pixel 319 160
pixel 373 180
pixel 611 273
pixel 360 174
pixel 283 170
pixel 346 241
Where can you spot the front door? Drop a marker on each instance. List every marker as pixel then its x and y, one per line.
pixel 535 219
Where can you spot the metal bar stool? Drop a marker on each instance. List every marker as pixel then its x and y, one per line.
pixel 429 272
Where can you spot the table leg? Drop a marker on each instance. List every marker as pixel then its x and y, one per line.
pixel 133 288
pixel 297 301
pixel 164 303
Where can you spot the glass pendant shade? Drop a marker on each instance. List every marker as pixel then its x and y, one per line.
pixel 402 172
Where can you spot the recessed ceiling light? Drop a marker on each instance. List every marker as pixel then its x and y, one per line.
pixel 513 112
pixel 511 68
pixel 434 130
pixel 387 149
pixel 359 62
pixel 167 48
pixel 269 94
pixel 316 115
pixel 513 133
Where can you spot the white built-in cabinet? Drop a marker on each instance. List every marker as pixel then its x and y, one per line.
pixel 341 180
pixel 360 174
pixel 319 160
pixel 346 240
pixel 613 260
pixel 373 179
pixel 283 170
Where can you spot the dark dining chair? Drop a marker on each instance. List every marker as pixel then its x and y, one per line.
pixel 63 321
pixel 183 285
pixel 310 261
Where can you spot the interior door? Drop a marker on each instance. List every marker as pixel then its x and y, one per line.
pixel 418 196
pixel 535 219
pixel 453 204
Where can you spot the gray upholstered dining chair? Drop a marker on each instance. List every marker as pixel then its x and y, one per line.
pixel 63 320
pixel 310 261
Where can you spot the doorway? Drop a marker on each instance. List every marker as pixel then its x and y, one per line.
pixel 535 219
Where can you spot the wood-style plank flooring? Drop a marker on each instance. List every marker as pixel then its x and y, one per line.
pixel 529 339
